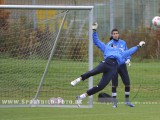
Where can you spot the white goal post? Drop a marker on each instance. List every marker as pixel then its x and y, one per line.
pixel 53 51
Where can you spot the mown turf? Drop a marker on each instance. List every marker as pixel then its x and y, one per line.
pixel 98 112
pixel 19 79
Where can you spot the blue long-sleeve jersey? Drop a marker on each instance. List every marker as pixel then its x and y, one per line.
pixel 121 44
pixel 110 50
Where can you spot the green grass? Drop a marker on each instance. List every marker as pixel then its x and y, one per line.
pixel 22 76
pixel 20 79
pixel 98 112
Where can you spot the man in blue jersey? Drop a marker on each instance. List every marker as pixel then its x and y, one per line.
pixel 122 69
pixel 113 57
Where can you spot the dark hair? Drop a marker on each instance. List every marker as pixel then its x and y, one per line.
pixel 111 38
pixel 114 30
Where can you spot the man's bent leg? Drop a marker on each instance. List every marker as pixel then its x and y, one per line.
pixel 97 70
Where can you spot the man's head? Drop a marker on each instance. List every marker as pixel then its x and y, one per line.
pixel 115 34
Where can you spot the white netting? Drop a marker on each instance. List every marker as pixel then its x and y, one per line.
pixel 25 46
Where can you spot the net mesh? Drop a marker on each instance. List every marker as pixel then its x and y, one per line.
pixel 25 48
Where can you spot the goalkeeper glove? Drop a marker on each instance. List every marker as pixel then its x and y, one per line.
pixel 128 62
pixel 141 44
pixel 94 26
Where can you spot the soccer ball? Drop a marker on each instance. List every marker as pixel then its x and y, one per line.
pixel 56 101
pixel 53 101
pixel 156 21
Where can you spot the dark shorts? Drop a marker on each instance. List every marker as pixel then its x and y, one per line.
pixel 108 67
pixel 123 72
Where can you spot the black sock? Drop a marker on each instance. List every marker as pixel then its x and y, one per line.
pixel 127 92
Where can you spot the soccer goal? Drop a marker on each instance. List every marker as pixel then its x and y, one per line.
pixel 42 49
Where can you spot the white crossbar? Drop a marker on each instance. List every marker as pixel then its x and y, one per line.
pixel 45 7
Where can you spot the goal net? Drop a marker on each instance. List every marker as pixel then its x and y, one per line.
pixel 42 49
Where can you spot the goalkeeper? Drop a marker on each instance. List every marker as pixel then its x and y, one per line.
pixel 113 57
pixel 122 69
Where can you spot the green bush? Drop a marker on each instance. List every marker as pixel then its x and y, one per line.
pixel 150 36
pixel 23 41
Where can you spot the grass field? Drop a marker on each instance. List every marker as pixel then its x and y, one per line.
pixel 20 79
pixel 98 112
